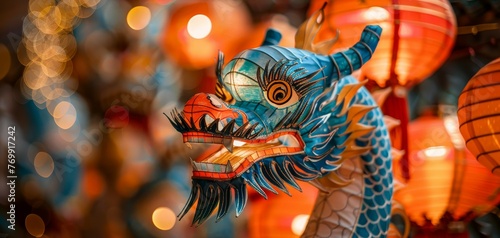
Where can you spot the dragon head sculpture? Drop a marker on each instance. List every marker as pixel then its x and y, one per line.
pixel 280 115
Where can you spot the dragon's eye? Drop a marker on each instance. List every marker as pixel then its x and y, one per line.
pixel 284 85
pixel 281 94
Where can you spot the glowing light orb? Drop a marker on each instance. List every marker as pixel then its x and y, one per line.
pixel 164 218
pixel 199 26
pixel 34 225
pixel 44 164
pixel 138 17
pixel 299 224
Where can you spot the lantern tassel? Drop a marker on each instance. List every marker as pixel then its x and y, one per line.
pixel 396 106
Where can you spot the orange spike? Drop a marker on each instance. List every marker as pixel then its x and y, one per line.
pixel 397 154
pixel 381 95
pixel 304 38
pixel 346 95
pixel 358 111
pixel 391 122
pixel 355 151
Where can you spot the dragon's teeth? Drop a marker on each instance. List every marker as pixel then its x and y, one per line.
pixel 228 143
pixel 194 164
pixel 220 125
pixel 208 119
pixel 229 167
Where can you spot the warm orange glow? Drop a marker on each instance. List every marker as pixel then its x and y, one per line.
pixel 434 187
pixel 374 14
pixel 479 116
pixel 196 30
pixel 65 115
pixel 93 183
pixel 281 215
pixel 138 17
pixel 299 224
pixel 44 164
pixel 436 152
pixel 277 22
pixel 90 3
pixel 164 218
pixel 199 26
pixel 425 37
pixel 47 49
pixel 34 225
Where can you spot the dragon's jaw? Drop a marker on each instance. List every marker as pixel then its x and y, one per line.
pixel 222 171
pixel 230 161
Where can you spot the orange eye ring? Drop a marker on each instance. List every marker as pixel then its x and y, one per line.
pixel 279 92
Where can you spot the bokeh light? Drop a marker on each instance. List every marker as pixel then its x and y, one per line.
pixel 435 152
pixel 199 26
pixel 47 48
pixel 299 224
pixel 44 164
pixel 116 117
pixel 376 14
pixel 164 218
pixel 138 17
pixel 93 183
pixel 65 115
pixel 90 3
pixel 34 225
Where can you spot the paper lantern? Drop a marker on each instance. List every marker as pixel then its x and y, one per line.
pixel 282 215
pixel 479 116
pixel 416 39
pixel 196 30
pixel 445 179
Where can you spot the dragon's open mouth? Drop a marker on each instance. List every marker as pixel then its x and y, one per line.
pixel 243 148
pixel 242 145
pixel 226 164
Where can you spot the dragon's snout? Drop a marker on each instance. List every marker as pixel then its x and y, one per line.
pixel 207 119
pixel 208 107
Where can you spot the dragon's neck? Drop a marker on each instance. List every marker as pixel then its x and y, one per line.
pixel 362 207
pixel 336 212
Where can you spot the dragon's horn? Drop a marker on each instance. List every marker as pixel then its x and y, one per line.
pixel 345 62
pixel 273 37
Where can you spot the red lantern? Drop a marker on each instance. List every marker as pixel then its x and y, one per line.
pixel 197 29
pixel 479 116
pixel 445 179
pixel 416 39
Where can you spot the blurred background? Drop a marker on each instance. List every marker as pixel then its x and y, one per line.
pixel 85 83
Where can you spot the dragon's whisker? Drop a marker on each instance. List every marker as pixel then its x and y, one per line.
pixel 271 175
pixel 225 200
pixel 193 197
